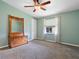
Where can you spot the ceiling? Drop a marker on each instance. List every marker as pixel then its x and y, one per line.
pixel 56 6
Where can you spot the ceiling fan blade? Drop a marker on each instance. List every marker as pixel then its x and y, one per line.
pixel 48 2
pixel 34 10
pixel 43 8
pixel 35 2
pixel 28 6
pixel 38 1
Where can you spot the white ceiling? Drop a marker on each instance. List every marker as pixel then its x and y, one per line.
pixel 56 6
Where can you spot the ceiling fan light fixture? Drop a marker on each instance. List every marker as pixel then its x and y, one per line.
pixel 38 6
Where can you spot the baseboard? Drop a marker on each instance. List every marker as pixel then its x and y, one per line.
pixel 69 44
pixel 30 39
pixel 4 46
pixel 50 41
pixel 44 40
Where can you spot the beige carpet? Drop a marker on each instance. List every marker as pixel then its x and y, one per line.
pixel 40 50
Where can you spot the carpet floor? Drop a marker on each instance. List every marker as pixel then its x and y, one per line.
pixel 40 50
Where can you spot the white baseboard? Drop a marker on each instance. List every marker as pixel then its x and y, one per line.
pixel 30 39
pixel 69 44
pixel 50 40
pixel 45 40
pixel 3 46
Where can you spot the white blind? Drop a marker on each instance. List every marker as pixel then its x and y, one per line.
pixel 50 22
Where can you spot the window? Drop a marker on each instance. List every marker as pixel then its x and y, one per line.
pixel 49 29
pixel 50 26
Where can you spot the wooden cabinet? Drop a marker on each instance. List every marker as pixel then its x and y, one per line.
pixel 16 38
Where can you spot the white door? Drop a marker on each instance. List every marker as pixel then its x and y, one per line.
pixel 34 29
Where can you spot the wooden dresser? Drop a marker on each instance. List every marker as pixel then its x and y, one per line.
pixel 17 39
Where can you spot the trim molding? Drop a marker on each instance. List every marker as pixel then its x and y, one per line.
pixel 3 46
pixel 69 44
pixel 30 39
pixel 45 40
pixel 50 40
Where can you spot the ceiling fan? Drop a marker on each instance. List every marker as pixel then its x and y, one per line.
pixel 38 5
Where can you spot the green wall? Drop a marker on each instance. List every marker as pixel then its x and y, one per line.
pixel 40 25
pixel 70 27
pixel 6 10
pixel 69 30
pixel 16 26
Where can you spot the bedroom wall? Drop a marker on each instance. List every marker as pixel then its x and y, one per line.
pixel 70 27
pixel 6 10
pixel 40 26
pixel 17 26
pixel 69 30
